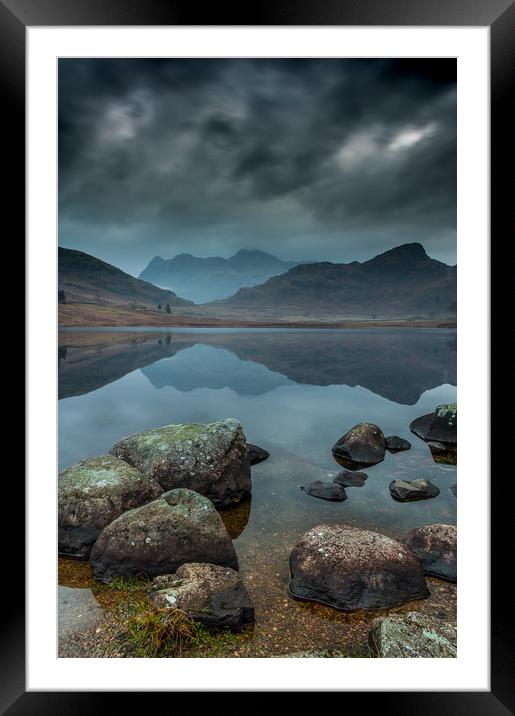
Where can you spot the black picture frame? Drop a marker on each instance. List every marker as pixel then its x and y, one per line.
pixel 499 16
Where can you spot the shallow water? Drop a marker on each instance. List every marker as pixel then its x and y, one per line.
pixel 295 392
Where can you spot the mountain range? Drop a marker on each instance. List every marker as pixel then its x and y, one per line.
pixel 402 282
pixel 207 279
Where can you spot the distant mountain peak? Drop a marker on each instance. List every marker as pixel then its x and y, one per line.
pixel 214 277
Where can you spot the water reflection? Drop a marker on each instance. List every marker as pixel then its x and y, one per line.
pixel 397 364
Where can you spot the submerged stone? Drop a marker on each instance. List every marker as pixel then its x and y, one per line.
pixel 181 526
pixel 362 446
pixel 92 494
pixel 207 593
pixel 345 478
pixel 410 491
pixel 436 547
pixel 325 491
pixel 443 454
pixel 349 568
pixel 211 459
pixel 413 635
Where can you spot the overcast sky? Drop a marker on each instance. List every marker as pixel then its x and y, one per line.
pixel 330 160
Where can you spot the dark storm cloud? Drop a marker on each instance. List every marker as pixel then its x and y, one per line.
pixel 308 159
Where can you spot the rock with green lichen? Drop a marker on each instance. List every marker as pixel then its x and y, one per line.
pixel 349 568
pixel 439 426
pixel 207 593
pixel 181 526
pixel 413 635
pixel 362 446
pixel 92 494
pixel 211 459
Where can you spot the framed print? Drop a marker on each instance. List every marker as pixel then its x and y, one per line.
pixel 258 290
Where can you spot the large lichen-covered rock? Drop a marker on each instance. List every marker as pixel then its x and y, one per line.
pixel 211 459
pixel 362 446
pixel 440 426
pixel 349 568
pixel 413 635
pixel 207 593
pixel 92 494
pixel 182 526
pixel 436 547
pixel 413 490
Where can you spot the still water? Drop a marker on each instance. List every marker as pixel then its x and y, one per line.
pixel 295 393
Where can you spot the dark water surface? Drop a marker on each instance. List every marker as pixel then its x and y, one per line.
pixel 295 392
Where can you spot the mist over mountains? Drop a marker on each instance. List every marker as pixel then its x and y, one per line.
pixel 207 279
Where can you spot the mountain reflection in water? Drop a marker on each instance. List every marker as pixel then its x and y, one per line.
pixel 397 364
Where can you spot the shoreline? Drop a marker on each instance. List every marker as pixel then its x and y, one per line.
pixel 99 316
pixel 241 324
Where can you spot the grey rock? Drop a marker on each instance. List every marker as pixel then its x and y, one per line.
pixel 182 526
pixel 413 635
pixel 410 491
pixel 92 494
pixel 453 489
pixel 436 547
pixel 256 454
pixel 207 593
pixel 345 478
pixel 362 446
pixel 325 491
pixel 210 459
pixel 349 568
pixel 395 444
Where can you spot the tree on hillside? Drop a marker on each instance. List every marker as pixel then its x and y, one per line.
pixel 61 297
pixel 168 309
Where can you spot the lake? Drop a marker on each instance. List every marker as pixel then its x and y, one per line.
pixel 295 393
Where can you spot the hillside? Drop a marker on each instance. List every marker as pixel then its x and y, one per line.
pixel 84 279
pixel 403 282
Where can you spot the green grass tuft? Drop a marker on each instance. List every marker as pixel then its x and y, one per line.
pixel 159 632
